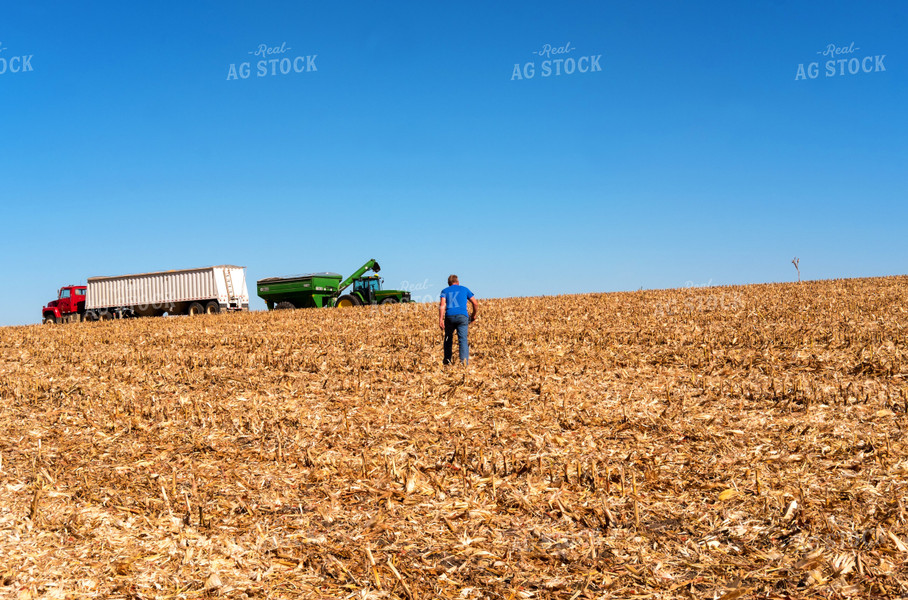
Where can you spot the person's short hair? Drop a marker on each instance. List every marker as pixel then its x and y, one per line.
pixel 452 279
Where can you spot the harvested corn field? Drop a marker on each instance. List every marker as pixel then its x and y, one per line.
pixel 734 442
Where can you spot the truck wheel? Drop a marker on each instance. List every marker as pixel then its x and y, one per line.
pixel 212 308
pixel 49 320
pixel 284 306
pixel 195 309
pixel 347 300
pixel 89 316
pixel 389 300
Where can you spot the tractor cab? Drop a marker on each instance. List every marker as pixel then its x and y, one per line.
pixel 367 287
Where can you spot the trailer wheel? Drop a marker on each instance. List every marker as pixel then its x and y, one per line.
pixel 347 300
pixel 195 309
pixel 49 320
pixel 212 308
pixel 389 300
pixel 284 306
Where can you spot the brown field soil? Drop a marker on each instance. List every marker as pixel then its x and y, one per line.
pixel 725 442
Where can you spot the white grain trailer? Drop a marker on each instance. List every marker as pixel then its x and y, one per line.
pixel 184 292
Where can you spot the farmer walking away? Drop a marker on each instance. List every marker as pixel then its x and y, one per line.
pixel 453 315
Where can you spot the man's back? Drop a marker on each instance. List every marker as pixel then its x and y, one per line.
pixel 456 299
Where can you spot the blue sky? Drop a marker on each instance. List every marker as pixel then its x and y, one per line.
pixel 693 156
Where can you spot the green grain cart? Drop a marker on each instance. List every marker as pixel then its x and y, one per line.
pixel 316 290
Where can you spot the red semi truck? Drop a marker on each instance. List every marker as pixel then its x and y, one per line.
pixel 183 292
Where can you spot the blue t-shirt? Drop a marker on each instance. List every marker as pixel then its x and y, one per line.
pixel 456 297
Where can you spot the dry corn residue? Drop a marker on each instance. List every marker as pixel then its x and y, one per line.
pixel 722 442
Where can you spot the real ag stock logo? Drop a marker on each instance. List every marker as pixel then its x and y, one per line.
pixel 848 64
pixel 554 60
pixel 270 61
pixel 14 63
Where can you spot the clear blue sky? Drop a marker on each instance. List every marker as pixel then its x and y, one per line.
pixel 693 156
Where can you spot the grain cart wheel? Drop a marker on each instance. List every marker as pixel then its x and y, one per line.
pixel 49 320
pixel 346 301
pixel 389 300
pixel 284 306
pixel 212 308
pixel 195 309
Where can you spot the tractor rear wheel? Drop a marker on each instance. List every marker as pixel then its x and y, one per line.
pixel 284 306
pixel 347 301
pixel 195 309
pixel 212 308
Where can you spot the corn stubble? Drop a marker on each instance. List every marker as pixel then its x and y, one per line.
pixel 716 442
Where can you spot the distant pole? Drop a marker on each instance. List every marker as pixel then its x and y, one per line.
pixel 795 262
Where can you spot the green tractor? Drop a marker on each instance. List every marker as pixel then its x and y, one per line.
pixel 316 290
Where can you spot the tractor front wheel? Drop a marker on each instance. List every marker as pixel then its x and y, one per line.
pixel 389 300
pixel 347 301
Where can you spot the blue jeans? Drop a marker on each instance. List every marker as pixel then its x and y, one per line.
pixel 460 323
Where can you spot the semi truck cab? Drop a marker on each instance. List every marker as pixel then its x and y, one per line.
pixel 69 305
